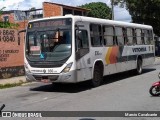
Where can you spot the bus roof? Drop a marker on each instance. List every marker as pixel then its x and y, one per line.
pixel 98 21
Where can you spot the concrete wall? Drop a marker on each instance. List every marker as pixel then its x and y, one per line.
pixel 11 54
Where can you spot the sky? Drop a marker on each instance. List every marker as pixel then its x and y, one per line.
pixel 121 14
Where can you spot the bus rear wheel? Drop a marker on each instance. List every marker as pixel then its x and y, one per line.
pixel 139 66
pixel 97 76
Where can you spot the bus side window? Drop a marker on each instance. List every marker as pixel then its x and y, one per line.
pixel 119 35
pixel 151 37
pixel 125 36
pixel 134 36
pixel 146 36
pixel 96 35
pixel 142 36
pixel 82 39
pixel 138 36
pixel 108 33
pixel 129 36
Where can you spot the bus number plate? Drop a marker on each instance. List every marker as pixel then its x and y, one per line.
pixel 50 70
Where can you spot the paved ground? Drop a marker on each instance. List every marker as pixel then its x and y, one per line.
pixel 120 92
pixel 22 78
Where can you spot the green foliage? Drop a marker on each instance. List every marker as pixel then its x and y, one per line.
pixel 98 10
pixel 9 85
pixel 144 12
pixel 8 25
pixel 121 3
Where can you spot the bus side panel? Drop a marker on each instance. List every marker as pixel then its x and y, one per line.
pixel 110 60
pixel 84 70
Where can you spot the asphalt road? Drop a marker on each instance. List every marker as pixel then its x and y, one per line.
pixel 120 92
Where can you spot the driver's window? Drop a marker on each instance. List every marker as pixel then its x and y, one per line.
pixel 82 39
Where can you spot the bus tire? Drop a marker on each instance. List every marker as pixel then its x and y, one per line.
pixel 139 67
pixel 97 75
pixel 55 84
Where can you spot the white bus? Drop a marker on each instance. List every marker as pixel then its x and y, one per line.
pixel 72 49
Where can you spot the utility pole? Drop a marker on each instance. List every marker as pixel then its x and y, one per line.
pixel 112 3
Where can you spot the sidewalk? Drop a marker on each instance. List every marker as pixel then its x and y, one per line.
pixel 22 78
pixel 13 80
pixel 157 61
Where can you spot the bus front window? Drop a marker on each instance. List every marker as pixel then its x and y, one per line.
pixel 50 45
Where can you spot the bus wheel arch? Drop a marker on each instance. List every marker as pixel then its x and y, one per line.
pixel 139 65
pixel 97 74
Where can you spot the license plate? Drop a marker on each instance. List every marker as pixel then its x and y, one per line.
pixel 45 80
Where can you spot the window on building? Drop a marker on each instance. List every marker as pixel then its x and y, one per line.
pixel 6 18
pixel 76 12
pixel 96 34
pixel 67 11
pixel 37 16
pixel 84 13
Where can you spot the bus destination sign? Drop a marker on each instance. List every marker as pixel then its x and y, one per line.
pixel 49 23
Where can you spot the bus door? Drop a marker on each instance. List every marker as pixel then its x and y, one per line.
pixel 83 59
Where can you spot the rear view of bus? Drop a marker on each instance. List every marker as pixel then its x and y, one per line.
pixel 48 50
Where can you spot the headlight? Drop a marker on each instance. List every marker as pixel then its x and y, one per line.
pixel 67 68
pixel 26 68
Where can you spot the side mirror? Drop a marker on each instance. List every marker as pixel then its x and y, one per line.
pixel 19 35
pixel 22 31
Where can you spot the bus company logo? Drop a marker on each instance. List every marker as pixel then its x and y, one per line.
pixel 142 49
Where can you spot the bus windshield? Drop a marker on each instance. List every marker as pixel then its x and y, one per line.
pixel 48 43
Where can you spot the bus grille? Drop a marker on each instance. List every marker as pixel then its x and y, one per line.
pixel 45 64
pixel 50 77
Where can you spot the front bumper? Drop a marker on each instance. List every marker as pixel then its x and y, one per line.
pixel 69 77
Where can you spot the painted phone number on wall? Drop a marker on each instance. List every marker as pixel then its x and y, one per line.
pixel 7 36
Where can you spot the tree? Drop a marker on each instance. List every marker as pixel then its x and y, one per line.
pixel 98 10
pixel 144 12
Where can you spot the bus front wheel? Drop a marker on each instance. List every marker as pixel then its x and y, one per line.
pixel 97 76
